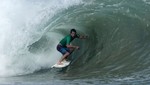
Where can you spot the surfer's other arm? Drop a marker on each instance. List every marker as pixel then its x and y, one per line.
pixel 83 37
pixel 71 46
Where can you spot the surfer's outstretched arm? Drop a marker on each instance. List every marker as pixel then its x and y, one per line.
pixel 83 37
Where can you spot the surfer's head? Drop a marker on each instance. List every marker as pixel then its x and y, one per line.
pixel 73 32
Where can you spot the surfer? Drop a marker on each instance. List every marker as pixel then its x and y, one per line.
pixel 64 46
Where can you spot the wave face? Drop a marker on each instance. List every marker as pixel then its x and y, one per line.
pixel 118 41
pixel 118 30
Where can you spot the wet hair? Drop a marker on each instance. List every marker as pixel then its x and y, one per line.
pixel 72 30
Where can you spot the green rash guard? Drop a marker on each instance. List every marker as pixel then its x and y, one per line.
pixel 66 41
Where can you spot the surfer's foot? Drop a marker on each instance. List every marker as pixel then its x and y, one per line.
pixel 64 60
pixel 60 63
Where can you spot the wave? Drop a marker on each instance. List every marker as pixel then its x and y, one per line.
pixel 118 31
pixel 118 41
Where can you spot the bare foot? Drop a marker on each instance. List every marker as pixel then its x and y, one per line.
pixel 64 60
pixel 59 63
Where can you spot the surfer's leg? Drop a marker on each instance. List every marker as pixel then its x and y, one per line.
pixel 70 50
pixel 63 57
pixel 65 52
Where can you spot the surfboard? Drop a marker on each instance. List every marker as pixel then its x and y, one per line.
pixel 65 63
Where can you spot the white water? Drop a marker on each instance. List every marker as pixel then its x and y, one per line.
pixel 23 22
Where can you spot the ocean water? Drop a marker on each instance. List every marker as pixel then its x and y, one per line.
pixel 117 51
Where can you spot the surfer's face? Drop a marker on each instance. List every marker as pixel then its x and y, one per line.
pixel 73 34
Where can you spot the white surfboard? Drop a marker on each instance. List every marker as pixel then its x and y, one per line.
pixel 65 63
